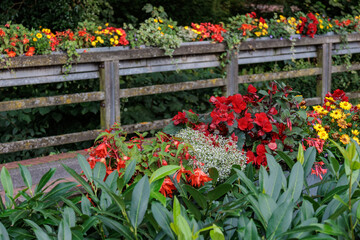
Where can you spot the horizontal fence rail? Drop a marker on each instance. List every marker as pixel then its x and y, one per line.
pixel 108 64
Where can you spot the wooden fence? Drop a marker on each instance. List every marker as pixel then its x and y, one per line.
pixel 107 64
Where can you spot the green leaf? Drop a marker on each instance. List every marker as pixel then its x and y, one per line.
pixel 309 159
pixel 185 232
pixel 85 205
pixel 64 232
pixel 39 232
pixel 19 214
pixel 267 206
pixel 214 175
pixel 25 174
pixel 198 197
pixel 72 205
pixel 247 182
pixel 45 179
pixel 89 223
pixel 163 172
pixel 115 225
pixel 176 213
pixel 129 172
pixel 3 233
pixel 219 191
pixel 139 202
pixel 286 159
pixel 216 233
pixel 251 231
pixel 158 196
pixel 58 191
pixel 300 155
pixel 192 209
pixel 99 172
pixel 7 182
pixel 163 218
pixel 69 216
pixel 280 220
pixel 296 183
pixel 85 166
pixel 274 183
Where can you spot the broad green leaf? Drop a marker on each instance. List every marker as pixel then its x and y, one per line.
pixel 163 218
pixel 219 191
pixel 129 172
pixel 99 172
pixel 25 174
pixel 68 215
pixel 310 157
pixel 115 225
pixel 89 223
pixel 163 172
pixel 267 206
pixel 72 205
pixel 7 182
pixel 296 183
pixel 111 180
pixel 158 196
pixel 358 212
pixel 185 232
pixel 247 182
pixel 85 166
pixel 280 220
pixel 4 235
pixel 116 198
pixel 44 180
pixel 85 205
pixel 300 155
pixel 216 233
pixel 19 214
pixel 139 202
pixel 20 233
pixel 251 231
pixel 59 190
pixel 64 232
pixel 214 175
pixel 198 197
pixel 176 213
pixel 274 183
pixel 192 209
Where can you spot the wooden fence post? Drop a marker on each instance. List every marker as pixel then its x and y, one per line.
pixel 232 72
pixel 325 62
pixel 109 83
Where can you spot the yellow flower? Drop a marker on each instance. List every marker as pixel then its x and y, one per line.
pixel 116 42
pixel 330 25
pixel 101 41
pixel 107 24
pixel 34 39
pixel 321 26
pixel 336 114
pixel 186 27
pixel 345 139
pixel 258 34
pixel 323 135
pixel 170 26
pixel 332 106
pixel 99 27
pixel 297 31
pixel 98 38
pixel 330 99
pixel 155 20
pixel 356 140
pixel 278 20
pixel 162 33
pixel 119 32
pixel 358 106
pixel 265 25
pixel 93 43
pixel 159 28
pixel 355 132
pixel 320 20
pixel 112 40
pixel 328 104
pixel 48 36
pixel 116 37
pixel 39 35
pixel 264 32
pixel 345 105
pixel 160 21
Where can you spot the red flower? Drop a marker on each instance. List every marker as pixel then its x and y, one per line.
pixel 238 103
pixel 272 146
pixel 180 172
pixel 198 178
pixel 167 187
pixel 25 41
pixel 273 111
pixel 180 118
pixel 11 53
pixel 260 150
pixel 251 89
pixel 250 156
pixel 263 121
pixel 101 151
pixel 245 123
pixel 318 171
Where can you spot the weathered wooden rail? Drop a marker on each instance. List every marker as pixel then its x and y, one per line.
pixel 107 64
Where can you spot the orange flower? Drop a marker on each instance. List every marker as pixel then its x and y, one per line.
pixel 167 187
pixel 198 178
pixel 11 53
pixel 318 171
pixel 25 41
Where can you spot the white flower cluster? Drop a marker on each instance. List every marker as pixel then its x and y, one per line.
pixel 213 151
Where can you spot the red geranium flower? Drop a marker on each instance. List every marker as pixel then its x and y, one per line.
pixel 101 151
pixel 167 187
pixel 180 118
pixel 263 121
pixel 198 178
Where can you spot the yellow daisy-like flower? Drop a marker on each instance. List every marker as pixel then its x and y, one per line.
pixel 159 28
pixel 34 39
pixel 319 128
pixel 345 139
pixel 356 140
pixel 155 20
pixel 358 106
pixel 317 108
pixel 170 26
pixel 258 34
pixel 324 112
pixel 332 106
pixel 186 27
pixel 39 35
pixel 323 135
pixel 107 24
pixel 93 43
pixel 345 105
pixel 328 104
pixel 160 21
pixel 336 114
pixel 355 132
